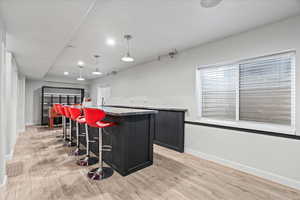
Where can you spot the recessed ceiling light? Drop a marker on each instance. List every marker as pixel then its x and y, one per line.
pixel 110 42
pixel 66 73
pixel 80 63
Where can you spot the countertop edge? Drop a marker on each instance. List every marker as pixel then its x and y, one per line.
pixel 149 107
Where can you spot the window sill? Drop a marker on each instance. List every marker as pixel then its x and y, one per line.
pixel 256 126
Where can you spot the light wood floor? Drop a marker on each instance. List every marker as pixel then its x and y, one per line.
pixel 41 169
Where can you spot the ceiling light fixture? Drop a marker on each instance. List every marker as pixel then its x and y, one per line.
pixel 110 42
pixel 209 3
pixel 80 78
pixel 66 73
pixel 96 72
pixel 127 57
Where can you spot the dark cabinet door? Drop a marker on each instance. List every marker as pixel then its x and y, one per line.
pixel 170 130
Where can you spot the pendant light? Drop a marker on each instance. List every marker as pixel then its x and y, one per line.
pixel 80 65
pixel 96 72
pixel 127 57
pixel 209 3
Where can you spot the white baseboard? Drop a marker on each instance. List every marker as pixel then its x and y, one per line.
pixel 257 172
pixel 4 181
pixel 9 156
pixel 30 124
pixel 21 131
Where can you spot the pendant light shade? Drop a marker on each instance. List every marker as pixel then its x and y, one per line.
pixel 80 78
pixel 127 57
pixel 96 71
pixel 209 3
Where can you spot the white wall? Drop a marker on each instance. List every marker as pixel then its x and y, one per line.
pixel 33 92
pixel 2 104
pixel 11 103
pixel 21 103
pixel 171 82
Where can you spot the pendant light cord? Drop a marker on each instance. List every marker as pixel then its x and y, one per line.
pixel 128 45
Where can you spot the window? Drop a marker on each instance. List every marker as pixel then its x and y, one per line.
pixel 257 91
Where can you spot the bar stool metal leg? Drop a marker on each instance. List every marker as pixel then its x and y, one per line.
pixel 64 127
pixel 69 135
pixel 101 172
pixel 87 160
pixel 66 142
pixel 77 151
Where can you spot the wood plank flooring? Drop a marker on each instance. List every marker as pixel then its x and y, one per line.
pixel 42 169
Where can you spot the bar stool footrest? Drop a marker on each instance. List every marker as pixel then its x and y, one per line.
pixel 79 152
pixel 87 161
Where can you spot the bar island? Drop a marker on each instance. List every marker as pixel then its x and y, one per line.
pixel 131 139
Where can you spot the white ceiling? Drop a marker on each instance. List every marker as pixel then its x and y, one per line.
pixel 40 30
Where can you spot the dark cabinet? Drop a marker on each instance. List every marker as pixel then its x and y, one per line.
pixel 131 140
pixel 170 130
pixel 169 126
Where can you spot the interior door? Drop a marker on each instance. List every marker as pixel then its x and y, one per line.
pixel 103 94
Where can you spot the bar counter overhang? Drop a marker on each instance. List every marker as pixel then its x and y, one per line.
pixel 131 139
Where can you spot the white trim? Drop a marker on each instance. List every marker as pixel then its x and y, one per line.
pixel 293 92
pixel 4 181
pixel 198 93
pixel 237 90
pixel 31 124
pixel 251 170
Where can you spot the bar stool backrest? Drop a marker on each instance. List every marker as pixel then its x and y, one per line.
pixel 75 113
pixel 93 115
pixel 67 113
pixel 62 110
pixel 59 109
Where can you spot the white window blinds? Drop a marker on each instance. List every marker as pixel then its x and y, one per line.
pixel 265 90
pixel 255 90
pixel 218 92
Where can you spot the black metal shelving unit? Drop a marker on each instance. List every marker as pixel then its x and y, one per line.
pixel 63 95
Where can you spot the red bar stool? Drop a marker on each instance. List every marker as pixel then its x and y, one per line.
pixel 63 115
pixel 68 116
pixel 58 111
pixel 93 118
pixel 79 119
pixel 88 159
